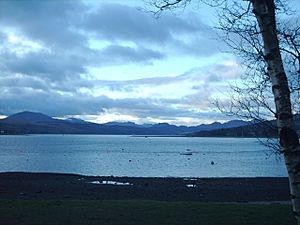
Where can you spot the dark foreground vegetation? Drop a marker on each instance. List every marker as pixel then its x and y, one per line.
pixel 122 212
pixel 67 199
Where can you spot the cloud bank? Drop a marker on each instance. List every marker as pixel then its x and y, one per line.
pixel 49 49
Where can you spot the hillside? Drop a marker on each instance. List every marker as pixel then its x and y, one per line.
pixel 254 130
pixel 267 129
pixel 38 123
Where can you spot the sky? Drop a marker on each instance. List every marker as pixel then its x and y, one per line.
pixel 112 60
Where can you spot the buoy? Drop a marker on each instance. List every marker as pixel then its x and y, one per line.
pixel 212 162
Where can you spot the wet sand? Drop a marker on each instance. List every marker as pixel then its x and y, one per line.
pixel 40 186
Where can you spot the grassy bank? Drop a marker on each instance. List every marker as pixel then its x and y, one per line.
pixel 67 212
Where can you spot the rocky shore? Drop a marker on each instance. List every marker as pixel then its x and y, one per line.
pixel 39 186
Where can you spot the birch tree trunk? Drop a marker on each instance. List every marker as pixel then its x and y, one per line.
pixel 264 11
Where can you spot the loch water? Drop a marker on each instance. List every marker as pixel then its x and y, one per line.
pixel 107 155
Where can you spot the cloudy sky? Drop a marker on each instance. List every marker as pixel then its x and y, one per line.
pixel 109 60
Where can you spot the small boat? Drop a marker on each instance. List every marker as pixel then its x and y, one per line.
pixel 186 153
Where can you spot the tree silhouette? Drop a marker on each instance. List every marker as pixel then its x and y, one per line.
pixel 252 33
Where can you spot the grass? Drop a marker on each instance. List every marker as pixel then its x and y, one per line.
pixel 69 212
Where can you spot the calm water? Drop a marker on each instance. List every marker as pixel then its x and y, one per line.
pixel 138 156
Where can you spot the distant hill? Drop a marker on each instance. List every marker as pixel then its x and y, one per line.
pixel 31 117
pixel 254 130
pixel 266 129
pixel 123 124
pixel 76 121
pixel 217 125
pixel 38 123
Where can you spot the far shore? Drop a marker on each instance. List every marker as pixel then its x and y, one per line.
pixel 133 135
pixel 48 186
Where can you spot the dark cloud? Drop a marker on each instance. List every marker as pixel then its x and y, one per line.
pixel 119 22
pixel 51 103
pixel 23 82
pixel 115 54
pixel 115 22
pixel 59 66
pixel 53 66
pixel 205 44
pixel 49 22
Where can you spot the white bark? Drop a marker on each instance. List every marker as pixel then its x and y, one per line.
pixel 264 11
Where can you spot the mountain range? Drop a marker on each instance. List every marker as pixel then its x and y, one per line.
pixel 38 123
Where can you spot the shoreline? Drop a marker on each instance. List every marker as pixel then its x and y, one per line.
pixel 133 135
pixel 57 186
pixel 134 177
